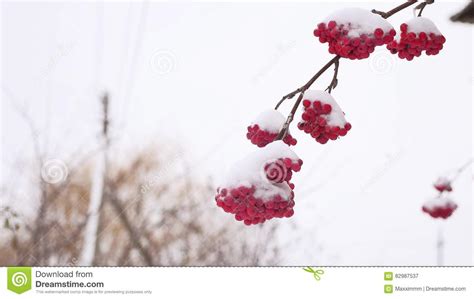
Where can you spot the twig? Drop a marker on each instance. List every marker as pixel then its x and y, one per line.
pixel 393 11
pixel 303 88
pixel 301 91
pixel 334 81
pixel 422 6
pixel 334 60
pixel 134 235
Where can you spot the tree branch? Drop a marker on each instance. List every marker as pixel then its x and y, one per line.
pixel 135 236
pixel 334 81
pixel 334 60
pixel 308 84
pixel 393 11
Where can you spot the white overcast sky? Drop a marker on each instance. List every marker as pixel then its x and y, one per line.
pixel 195 74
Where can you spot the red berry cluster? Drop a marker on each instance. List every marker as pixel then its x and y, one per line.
pixel 250 207
pixel 441 210
pixel 242 202
pixel 344 45
pixel 261 137
pixel 315 122
pixel 443 185
pixel 412 44
pixel 440 207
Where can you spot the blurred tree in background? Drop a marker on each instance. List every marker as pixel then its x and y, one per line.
pixel 152 214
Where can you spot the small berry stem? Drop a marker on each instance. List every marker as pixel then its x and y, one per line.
pixel 422 6
pixel 334 60
pixel 303 88
pixel 334 80
pixel 393 11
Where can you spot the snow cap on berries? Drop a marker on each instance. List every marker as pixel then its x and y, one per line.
pixel 421 24
pixel 270 120
pixel 250 171
pixel 440 207
pixel 359 21
pixel 265 128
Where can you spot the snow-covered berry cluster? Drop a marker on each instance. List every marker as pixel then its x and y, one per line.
pixel 443 184
pixel 265 128
pixel 440 207
pixel 322 118
pixel 259 188
pixel 418 35
pixel 247 207
pixel 354 33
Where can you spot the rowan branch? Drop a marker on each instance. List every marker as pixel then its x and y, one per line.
pixel 334 81
pixel 394 10
pixel 308 84
pixel 334 60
